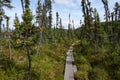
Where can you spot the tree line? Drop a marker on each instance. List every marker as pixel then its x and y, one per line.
pixel 97 54
pixel 28 34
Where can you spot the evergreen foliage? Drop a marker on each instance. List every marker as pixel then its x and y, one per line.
pixel 37 50
pixel 98 44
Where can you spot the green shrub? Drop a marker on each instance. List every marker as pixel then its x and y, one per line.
pixel 99 74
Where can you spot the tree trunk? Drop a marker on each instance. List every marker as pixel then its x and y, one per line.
pixel 106 16
pixel 8 35
pixel 119 15
pixel 95 38
pixel 29 64
pixel 0 35
pixel 10 52
pixel 22 3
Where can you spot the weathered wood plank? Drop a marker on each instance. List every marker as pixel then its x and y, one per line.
pixel 69 70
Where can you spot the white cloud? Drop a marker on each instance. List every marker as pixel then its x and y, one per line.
pixel 69 3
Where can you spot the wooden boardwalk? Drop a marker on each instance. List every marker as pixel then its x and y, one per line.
pixel 69 68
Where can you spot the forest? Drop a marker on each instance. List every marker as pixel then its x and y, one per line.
pixel 36 49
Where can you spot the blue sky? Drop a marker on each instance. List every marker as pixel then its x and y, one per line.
pixel 64 7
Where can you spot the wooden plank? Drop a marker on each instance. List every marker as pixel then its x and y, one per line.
pixel 69 70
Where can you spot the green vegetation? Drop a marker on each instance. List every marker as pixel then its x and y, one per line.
pixel 97 53
pixel 48 65
pixel 36 50
pixel 33 51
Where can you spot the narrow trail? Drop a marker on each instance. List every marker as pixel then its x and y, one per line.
pixel 70 69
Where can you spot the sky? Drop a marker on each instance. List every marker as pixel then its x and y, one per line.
pixel 63 7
